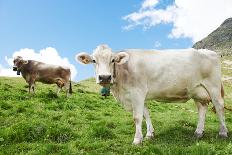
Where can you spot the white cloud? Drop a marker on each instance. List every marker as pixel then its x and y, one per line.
pixel 193 19
pixel 149 3
pixel 7 72
pixel 157 44
pixel 48 55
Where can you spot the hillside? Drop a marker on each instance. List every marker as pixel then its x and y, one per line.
pixel 88 85
pixel 86 123
pixel 219 40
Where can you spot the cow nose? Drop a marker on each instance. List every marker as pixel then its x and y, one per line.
pixel 104 78
pixel 14 68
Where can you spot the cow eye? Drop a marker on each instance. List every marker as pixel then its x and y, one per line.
pixel 94 61
pixel 113 61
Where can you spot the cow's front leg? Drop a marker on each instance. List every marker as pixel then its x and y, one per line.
pixel 138 118
pixel 31 83
pixel 31 87
pixel 150 129
pixel 138 107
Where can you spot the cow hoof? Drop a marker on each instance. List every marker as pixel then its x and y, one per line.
pixel 137 141
pixel 223 132
pixel 149 136
pixel 198 135
pixel 223 135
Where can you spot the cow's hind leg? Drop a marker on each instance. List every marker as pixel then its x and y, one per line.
pixel 150 129
pixel 219 106
pixel 218 102
pixel 67 89
pixel 59 84
pixel 58 90
pixel 202 109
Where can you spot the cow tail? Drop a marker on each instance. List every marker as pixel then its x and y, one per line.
pixel 70 86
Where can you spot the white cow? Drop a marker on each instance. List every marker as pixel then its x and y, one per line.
pixel 167 76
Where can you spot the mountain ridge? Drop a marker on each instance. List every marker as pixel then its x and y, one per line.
pixel 220 40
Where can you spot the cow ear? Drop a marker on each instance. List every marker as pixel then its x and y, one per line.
pixel 121 58
pixel 83 58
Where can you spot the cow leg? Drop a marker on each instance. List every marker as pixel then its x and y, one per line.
pixel 202 109
pixel 138 108
pixel 150 129
pixel 218 102
pixel 219 106
pixel 67 89
pixel 31 84
pixel 138 118
pixel 60 84
pixel 58 90
pixel 31 87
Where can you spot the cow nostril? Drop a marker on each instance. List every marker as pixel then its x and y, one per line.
pixel 100 77
pixel 104 78
pixel 14 68
pixel 109 77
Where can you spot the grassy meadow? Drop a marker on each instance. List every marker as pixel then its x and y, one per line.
pixel 86 123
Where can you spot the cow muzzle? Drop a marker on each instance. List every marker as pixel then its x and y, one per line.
pixel 15 68
pixel 104 79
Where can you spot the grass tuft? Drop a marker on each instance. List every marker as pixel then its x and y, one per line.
pixel 102 130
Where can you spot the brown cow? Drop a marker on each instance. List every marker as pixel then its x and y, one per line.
pixel 33 71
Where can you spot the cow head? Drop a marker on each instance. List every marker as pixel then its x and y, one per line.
pixel 104 61
pixel 18 63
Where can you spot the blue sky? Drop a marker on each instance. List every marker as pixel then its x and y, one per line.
pixel 80 25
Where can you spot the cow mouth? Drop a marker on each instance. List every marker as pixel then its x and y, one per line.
pixel 104 84
pixel 16 69
pixel 18 72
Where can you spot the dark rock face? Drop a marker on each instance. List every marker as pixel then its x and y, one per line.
pixel 220 40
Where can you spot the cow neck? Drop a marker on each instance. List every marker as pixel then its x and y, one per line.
pixel 114 75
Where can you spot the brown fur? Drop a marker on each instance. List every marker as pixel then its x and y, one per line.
pixel 49 74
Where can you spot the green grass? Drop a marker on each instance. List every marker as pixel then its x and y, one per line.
pixel 88 85
pixel 225 70
pixel 86 123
